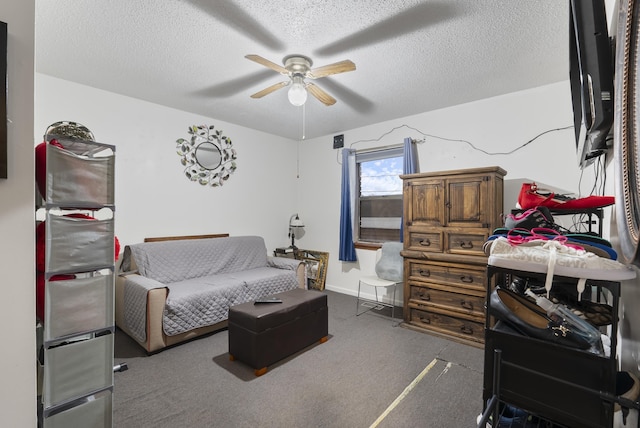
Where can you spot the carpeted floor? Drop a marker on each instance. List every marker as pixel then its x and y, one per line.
pixel 369 373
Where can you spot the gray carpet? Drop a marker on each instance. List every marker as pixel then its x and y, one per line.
pixel 368 372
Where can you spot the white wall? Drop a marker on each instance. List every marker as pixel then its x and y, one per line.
pixel 153 196
pixel 17 358
pixel 495 125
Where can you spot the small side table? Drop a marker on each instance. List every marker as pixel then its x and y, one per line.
pixel 315 261
pixel 284 252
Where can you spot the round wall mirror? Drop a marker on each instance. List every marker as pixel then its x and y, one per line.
pixel 208 155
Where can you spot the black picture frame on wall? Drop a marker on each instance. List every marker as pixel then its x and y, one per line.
pixel 3 100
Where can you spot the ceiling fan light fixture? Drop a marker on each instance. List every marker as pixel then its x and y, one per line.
pixel 297 68
pixel 297 92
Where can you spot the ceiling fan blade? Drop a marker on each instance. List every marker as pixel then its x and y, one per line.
pixel 267 91
pixel 272 65
pixel 321 95
pixel 327 70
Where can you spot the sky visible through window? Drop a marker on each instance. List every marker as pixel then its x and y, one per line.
pixel 381 177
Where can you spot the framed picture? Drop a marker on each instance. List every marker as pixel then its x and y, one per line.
pixel 626 157
pixel 3 100
pixel 316 264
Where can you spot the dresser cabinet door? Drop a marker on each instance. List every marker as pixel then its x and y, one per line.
pixel 453 202
pixel 424 203
pixel 467 202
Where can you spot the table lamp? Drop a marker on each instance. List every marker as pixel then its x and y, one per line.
pixel 294 224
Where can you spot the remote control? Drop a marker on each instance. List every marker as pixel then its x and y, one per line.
pixel 261 301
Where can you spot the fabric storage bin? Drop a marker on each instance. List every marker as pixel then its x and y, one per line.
pixel 94 412
pixel 78 244
pixel 77 176
pixel 78 306
pixel 77 369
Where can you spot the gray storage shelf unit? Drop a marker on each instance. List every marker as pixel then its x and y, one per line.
pixel 78 326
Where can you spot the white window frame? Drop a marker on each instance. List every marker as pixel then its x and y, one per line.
pixel 385 222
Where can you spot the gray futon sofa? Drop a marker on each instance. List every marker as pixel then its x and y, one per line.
pixel 171 291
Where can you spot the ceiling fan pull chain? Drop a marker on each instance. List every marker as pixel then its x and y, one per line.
pixel 304 120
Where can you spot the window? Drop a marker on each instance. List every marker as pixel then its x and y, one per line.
pixel 379 203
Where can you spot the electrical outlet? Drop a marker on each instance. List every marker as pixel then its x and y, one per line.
pixel 338 141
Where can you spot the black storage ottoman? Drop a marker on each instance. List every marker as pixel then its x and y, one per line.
pixel 262 334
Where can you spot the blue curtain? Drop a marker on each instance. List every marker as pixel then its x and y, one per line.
pixel 347 247
pixel 410 157
pixel 410 166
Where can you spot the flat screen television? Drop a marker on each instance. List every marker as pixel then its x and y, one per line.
pixel 591 77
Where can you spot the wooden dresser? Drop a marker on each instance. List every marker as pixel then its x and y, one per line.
pixel 448 216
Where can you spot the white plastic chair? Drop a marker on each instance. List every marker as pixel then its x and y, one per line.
pixel 388 269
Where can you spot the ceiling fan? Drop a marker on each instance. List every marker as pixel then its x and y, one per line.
pixel 297 68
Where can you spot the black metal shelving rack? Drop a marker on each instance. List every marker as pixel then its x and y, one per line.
pixel 558 386
pixel 589 213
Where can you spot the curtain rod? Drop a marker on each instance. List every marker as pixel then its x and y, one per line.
pixel 375 149
pixel 391 146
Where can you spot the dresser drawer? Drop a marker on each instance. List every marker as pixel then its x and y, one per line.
pixel 463 328
pixel 425 241
pixel 467 277
pixel 466 243
pixel 451 298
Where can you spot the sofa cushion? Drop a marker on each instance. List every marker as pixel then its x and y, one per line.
pixel 198 302
pixel 174 261
pixel 267 280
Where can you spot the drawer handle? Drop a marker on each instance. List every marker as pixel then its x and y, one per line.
pixel 425 242
pixel 424 295
pixel 466 330
pixel 466 305
pixel 466 278
pixel 466 245
pixel 424 272
pixel 425 320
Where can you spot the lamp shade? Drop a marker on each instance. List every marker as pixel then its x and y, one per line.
pixel 295 221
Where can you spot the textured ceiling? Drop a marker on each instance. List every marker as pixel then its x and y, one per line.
pixel 411 56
